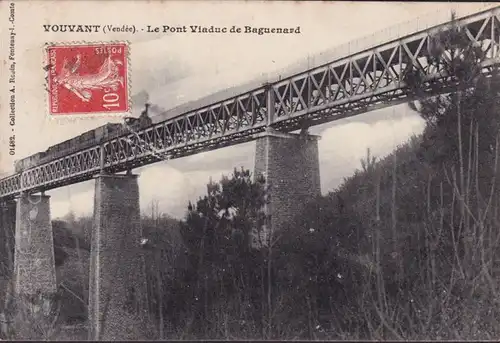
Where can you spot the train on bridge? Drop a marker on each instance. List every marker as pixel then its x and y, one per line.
pixel 85 140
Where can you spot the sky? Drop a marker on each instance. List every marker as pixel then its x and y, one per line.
pixel 171 69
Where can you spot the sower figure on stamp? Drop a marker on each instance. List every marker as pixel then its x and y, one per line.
pixel 81 85
pixel 88 78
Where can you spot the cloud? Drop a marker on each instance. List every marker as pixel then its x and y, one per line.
pixel 241 155
pixel 166 185
pixel 169 187
pixel 76 199
pixel 173 183
pixel 173 188
pixel 177 68
pixel 341 147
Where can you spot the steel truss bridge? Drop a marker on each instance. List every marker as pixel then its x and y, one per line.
pixel 345 86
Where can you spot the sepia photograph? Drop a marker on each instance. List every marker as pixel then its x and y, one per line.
pixel 249 170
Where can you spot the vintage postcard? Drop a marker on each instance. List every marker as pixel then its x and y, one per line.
pixel 238 170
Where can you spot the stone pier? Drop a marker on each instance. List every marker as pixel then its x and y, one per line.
pixel 7 236
pixel 7 248
pixel 34 263
pixel 117 292
pixel 290 164
pixel 34 269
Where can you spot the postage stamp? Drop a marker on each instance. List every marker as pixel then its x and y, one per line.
pixel 88 78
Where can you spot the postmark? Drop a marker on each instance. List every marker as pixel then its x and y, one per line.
pixel 88 79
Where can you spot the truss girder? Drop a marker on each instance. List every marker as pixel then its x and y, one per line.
pixel 347 86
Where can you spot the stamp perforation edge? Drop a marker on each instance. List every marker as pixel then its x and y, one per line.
pixel 88 115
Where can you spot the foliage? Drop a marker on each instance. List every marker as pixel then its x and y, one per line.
pixel 219 264
pixel 406 248
pixel 455 119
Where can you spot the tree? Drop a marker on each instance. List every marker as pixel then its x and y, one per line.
pixel 219 265
pixel 464 120
pixel 463 126
pixel 369 162
pixel 461 144
pixel 317 268
pixel 162 244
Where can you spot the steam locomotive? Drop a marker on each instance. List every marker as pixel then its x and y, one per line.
pixel 85 140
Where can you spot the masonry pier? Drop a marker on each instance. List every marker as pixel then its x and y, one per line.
pixel 7 237
pixel 117 292
pixel 34 262
pixel 7 247
pixel 290 164
pixel 34 268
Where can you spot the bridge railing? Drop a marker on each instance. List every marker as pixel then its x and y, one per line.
pixel 383 36
pixel 388 34
pixel 14 183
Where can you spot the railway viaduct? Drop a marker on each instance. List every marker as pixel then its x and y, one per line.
pixel 354 78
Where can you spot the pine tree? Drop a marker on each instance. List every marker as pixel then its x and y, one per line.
pixel 461 144
pixel 217 233
pixel 465 118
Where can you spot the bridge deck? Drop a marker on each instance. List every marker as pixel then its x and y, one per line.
pixel 355 78
pixel 387 35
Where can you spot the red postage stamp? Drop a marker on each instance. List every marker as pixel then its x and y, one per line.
pixel 88 78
